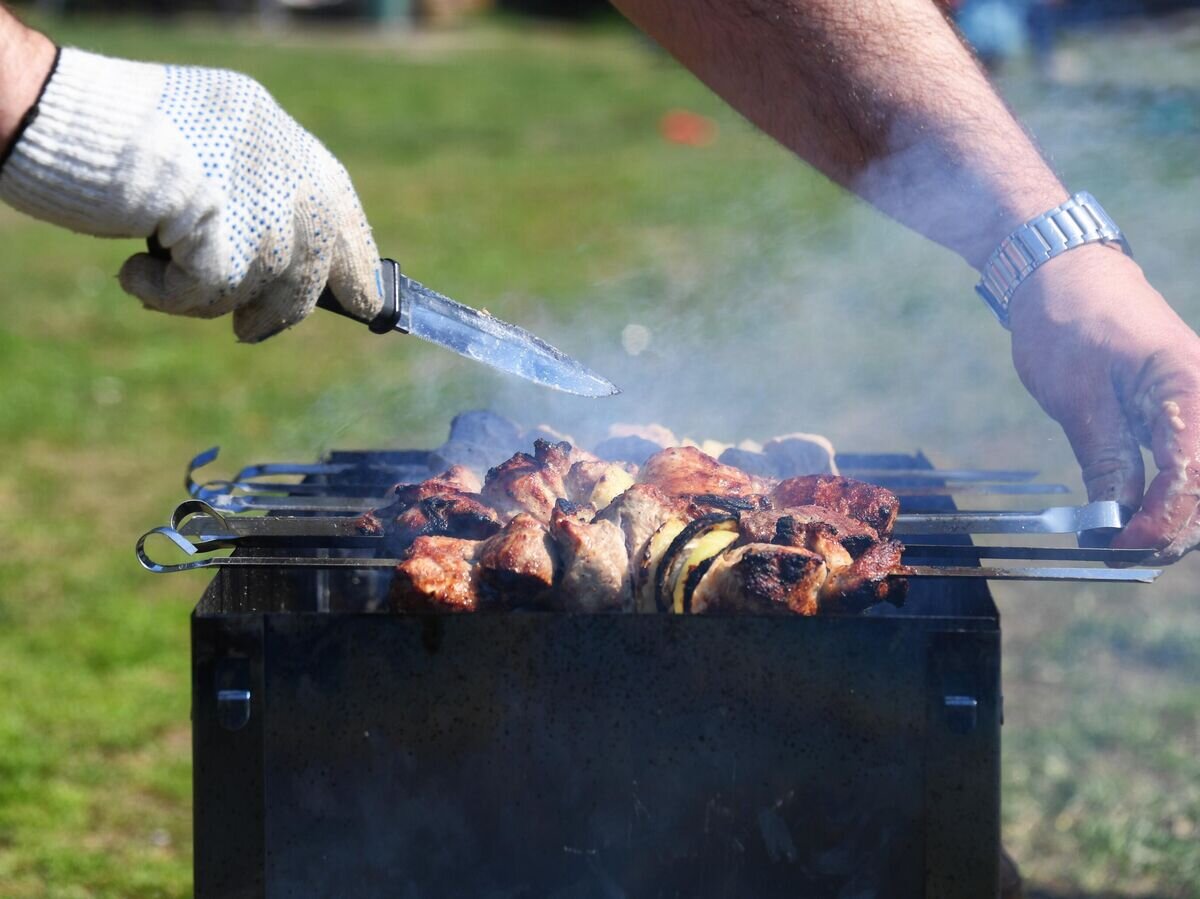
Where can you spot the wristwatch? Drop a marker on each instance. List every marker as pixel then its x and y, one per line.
pixel 1079 221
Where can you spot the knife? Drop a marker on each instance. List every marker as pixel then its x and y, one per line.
pixel 412 308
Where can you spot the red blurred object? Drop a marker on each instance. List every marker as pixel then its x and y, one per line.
pixel 682 127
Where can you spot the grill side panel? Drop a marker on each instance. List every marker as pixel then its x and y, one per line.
pixel 546 755
pixel 227 756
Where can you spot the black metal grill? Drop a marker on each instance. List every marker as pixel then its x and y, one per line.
pixel 341 752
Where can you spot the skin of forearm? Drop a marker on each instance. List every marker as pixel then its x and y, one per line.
pixel 25 61
pixel 880 95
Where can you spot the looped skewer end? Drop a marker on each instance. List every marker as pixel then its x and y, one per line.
pixel 190 484
pixel 205 543
pixel 190 507
pixel 180 542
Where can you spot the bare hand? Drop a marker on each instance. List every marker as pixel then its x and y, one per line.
pixel 1106 357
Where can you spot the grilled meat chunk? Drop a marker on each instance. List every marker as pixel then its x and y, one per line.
pixel 534 483
pixel 685 470
pixel 866 581
pixel 761 579
pixel 519 562
pixel 595 563
pixel 437 574
pixel 441 506
pixel 872 505
pixel 810 527
pixel 449 514
pixel 457 478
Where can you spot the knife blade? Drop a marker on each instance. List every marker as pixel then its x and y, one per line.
pixel 412 308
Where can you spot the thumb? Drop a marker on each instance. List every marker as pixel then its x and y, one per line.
pixel 1107 451
pixel 167 287
pixel 355 274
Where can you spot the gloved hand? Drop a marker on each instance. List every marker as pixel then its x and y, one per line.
pixel 257 214
pixel 1105 355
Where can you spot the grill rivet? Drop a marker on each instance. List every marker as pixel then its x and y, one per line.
pixel 962 713
pixel 233 708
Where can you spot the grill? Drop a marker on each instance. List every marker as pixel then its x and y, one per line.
pixel 343 752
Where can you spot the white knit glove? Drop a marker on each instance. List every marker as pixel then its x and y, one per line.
pixel 257 214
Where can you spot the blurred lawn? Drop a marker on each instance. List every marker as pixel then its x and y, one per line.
pixel 525 172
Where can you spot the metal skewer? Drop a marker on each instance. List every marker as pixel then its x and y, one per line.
pixel 1118 575
pixel 196 527
pixel 1029 553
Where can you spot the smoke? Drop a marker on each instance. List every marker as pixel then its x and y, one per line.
pixel 845 323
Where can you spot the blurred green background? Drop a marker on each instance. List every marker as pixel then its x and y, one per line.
pixel 526 170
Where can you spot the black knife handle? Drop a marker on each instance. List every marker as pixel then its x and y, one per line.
pixel 389 315
pixel 384 322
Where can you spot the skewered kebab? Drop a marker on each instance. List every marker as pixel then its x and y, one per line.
pixel 675 540
pixel 649 519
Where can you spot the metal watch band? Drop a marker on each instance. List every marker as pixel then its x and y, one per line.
pixel 1080 220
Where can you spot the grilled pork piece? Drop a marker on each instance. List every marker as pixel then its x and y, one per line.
pixel 438 574
pixel 595 563
pixel 441 506
pixel 685 470
pixel 761 578
pixel 810 527
pixel 872 505
pixel 868 580
pixel 457 478
pixel 448 514
pixel 519 562
pixel 534 483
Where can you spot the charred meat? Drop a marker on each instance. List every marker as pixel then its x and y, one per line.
pixel 872 505
pixel 519 562
pixel 763 579
pixel 534 483
pixel 442 506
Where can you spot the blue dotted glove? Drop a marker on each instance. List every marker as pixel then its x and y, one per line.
pixel 257 214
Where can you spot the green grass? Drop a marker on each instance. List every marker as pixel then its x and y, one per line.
pixel 524 171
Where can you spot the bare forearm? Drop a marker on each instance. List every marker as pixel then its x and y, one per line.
pixel 25 60
pixel 879 95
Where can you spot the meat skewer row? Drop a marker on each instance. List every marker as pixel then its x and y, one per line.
pixel 693 535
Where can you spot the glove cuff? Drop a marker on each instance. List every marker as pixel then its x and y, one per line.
pixel 31 113
pixel 67 161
